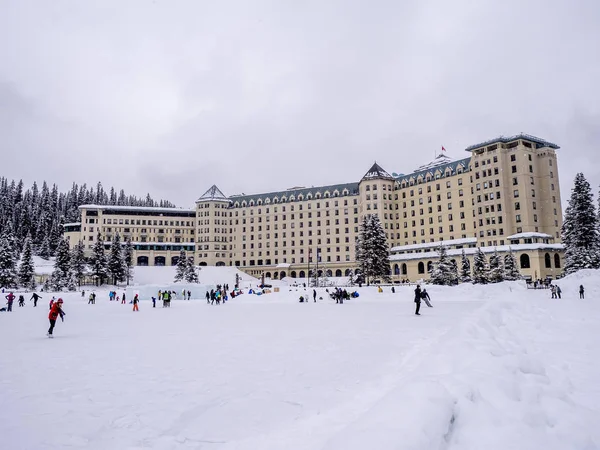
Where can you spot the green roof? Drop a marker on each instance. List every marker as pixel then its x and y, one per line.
pixel 351 188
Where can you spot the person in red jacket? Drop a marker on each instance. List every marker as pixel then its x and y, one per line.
pixel 10 299
pixel 54 313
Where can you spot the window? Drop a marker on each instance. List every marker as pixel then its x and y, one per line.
pixel 518 218
pixel 513 158
pixel 514 169
pixel 516 193
pixel 517 206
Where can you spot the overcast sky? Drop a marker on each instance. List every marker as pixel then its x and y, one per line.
pixel 170 97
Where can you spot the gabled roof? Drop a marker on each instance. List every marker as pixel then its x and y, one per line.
pixel 376 172
pixel 463 164
pixel 214 193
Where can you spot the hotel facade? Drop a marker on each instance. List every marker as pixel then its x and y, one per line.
pixel 505 194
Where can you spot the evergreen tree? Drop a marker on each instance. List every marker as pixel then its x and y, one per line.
pixel 7 264
pixel 45 252
pixel 78 263
pixel 128 258
pixel 61 276
pixel 27 268
pixel 496 274
pixel 465 268
pixel 191 276
pixel 511 268
pixel 444 271
pixel 181 267
pixel 480 268
pixel 371 249
pixel 98 262
pixel 116 263
pixel 580 229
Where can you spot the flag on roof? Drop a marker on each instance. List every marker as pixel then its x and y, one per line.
pixel 443 149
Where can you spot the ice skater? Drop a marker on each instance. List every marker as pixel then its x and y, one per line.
pixel 418 299
pixel 10 298
pixel 425 296
pixel 581 291
pixel 55 311
pixel 35 297
pixel 154 302
pixel 136 300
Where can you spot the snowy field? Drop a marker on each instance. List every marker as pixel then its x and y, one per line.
pixel 495 367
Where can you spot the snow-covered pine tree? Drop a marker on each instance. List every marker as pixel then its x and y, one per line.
pixel 98 262
pixel 61 275
pixel 116 263
pixel 128 258
pixel 191 275
pixel 78 263
pixel 580 229
pixel 181 267
pixel 480 268
pixel 44 251
pixel 371 249
pixel 465 268
pixel 7 264
pixel 496 274
pixel 511 268
pixel 27 268
pixel 444 272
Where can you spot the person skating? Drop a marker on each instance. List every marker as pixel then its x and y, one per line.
pixel 123 302
pixel 553 291
pixel 55 311
pixel 426 298
pixel 418 299
pixel 558 291
pixel 21 301
pixel 52 300
pixel 136 300
pixel 314 295
pixel 91 299
pixel 10 298
pixel 154 302
pixel 581 291
pixel 35 297
pixel 207 296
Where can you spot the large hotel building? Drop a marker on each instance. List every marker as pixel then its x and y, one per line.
pixel 505 194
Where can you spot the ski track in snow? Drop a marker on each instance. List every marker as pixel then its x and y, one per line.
pixel 495 367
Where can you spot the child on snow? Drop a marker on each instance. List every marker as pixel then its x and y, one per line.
pixel 136 300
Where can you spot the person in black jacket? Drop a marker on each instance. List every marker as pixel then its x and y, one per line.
pixel 418 299
pixel 35 297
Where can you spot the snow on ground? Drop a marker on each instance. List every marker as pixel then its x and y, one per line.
pixel 494 367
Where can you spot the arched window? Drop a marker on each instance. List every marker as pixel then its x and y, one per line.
pixel 329 273
pixel 404 269
pixel 429 266
pixel 293 274
pixel 268 275
pixel 547 261
pixel 302 274
pixel 421 268
pixel 556 261
pixel 281 275
pixel 338 273
pixel 348 272
pixel 524 259
pixel 396 269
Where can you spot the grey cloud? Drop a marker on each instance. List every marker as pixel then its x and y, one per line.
pixel 259 96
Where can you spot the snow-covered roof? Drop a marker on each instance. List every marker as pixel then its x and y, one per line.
pixel 529 235
pixel 138 208
pixel 472 251
pixel 213 194
pixel 439 160
pixel 283 265
pixel 448 243
pixel 539 143
pixel 74 224
pixel 376 172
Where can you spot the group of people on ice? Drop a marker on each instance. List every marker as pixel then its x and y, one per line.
pixel 421 295
pixel 218 295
